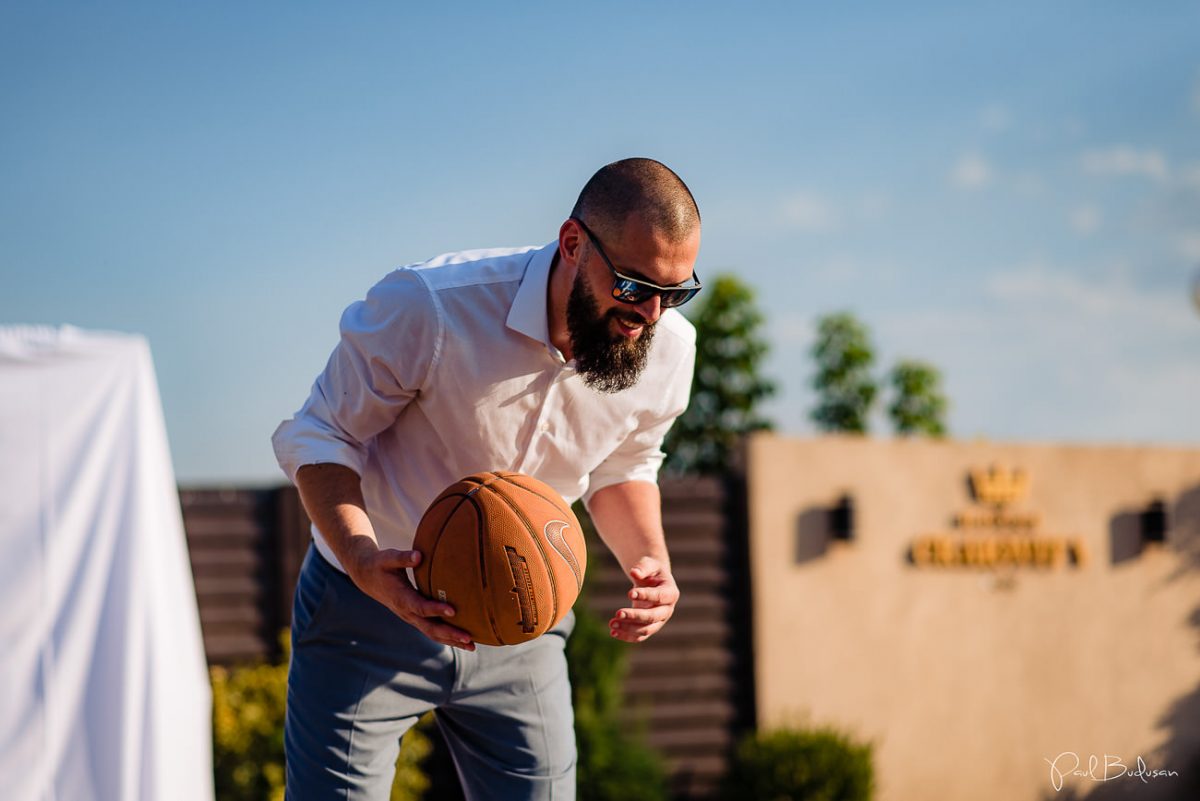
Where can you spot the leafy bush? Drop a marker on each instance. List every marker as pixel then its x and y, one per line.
pixel 249 704
pixel 411 782
pixel 819 764
pixel 615 764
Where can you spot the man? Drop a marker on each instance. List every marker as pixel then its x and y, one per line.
pixel 565 362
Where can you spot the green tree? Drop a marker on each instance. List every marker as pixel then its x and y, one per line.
pixel 727 386
pixel 918 405
pixel 845 389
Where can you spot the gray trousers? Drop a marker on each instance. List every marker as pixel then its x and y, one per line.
pixel 360 677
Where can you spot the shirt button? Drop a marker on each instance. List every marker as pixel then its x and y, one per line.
pixel 544 427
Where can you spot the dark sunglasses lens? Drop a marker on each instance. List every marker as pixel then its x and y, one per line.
pixel 630 292
pixel 677 297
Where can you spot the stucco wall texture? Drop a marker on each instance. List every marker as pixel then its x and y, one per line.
pixel 971 680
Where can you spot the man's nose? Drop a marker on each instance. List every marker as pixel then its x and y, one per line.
pixel 650 309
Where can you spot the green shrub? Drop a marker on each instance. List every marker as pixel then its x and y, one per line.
pixel 248 708
pixel 615 764
pixel 249 704
pixel 411 782
pixel 819 764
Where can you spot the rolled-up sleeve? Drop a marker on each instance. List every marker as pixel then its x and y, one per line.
pixel 640 455
pixel 388 347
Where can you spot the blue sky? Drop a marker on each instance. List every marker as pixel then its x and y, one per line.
pixel 1008 191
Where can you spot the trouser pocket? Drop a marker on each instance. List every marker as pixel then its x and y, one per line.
pixel 315 593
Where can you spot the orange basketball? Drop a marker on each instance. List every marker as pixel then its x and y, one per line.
pixel 506 551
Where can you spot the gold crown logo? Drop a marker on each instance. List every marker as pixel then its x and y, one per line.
pixel 998 486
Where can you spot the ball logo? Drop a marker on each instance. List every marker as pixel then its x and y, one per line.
pixel 523 590
pixel 554 535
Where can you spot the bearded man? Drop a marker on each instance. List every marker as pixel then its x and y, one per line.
pixel 565 362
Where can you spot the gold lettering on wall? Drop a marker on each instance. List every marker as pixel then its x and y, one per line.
pixel 998 487
pixel 991 535
pixel 952 550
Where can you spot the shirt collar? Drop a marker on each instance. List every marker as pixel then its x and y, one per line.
pixel 529 314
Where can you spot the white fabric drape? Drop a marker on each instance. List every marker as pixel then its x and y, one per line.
pixel 104 692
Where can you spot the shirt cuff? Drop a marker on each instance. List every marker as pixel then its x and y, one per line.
pixel 296 445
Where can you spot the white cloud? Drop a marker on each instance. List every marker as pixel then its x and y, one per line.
pixel 1120 356
pixel 1190 175
pixel 1074 127
pixel 1028 182
pixel 1125 160
pixel 995 118
pixel 874 205
pixel 971 172
pixel 811 212
pixel 1189 246
pixel 1085 220
pixel 1051 355
pixel 1110 300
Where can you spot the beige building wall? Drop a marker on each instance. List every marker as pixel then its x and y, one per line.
pixel 968 679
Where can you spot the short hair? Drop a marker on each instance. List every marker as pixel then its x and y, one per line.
pixel 640 186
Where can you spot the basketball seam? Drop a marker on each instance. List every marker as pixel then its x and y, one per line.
pixel 552 502
pixel 533 536
pixel 437 543
pixel 482 549
pixel 483 576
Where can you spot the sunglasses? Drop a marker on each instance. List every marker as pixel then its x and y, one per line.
pixel 635 290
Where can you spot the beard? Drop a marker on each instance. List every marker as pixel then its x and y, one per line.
pixel 608 362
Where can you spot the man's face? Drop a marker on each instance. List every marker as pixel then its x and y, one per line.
pixel 611 340
pixel 608 361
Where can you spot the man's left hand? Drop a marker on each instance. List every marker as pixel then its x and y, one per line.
pixel 654 596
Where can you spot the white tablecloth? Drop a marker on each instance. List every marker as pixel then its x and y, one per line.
pixel 103 688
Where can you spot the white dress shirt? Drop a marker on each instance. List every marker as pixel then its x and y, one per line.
pixel 446 369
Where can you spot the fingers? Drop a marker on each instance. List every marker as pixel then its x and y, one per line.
pixel 420 606
pixel 653 596
pixel 397 592
pixel 384 579
pixel 421 613
pixel 413 603
pixel 393 559
pixel 442 633
pixel 646 597
pixel 635 625
pixel 648 571
pixel 643 617
pixel 630 632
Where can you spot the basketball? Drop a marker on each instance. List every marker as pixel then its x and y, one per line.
pixel 506 551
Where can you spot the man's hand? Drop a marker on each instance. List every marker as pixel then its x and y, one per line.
pixel 654 596
pixel 380 573
pixel 332 496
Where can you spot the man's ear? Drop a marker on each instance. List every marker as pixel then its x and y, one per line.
pixel 570 243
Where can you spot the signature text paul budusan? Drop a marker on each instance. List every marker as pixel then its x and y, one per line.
pixel 1106 769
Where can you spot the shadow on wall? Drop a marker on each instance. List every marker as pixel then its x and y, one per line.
pixel 817 527
pixel 1125 537
pixel 1180 724
pixel 813 534
pixel 1130 533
